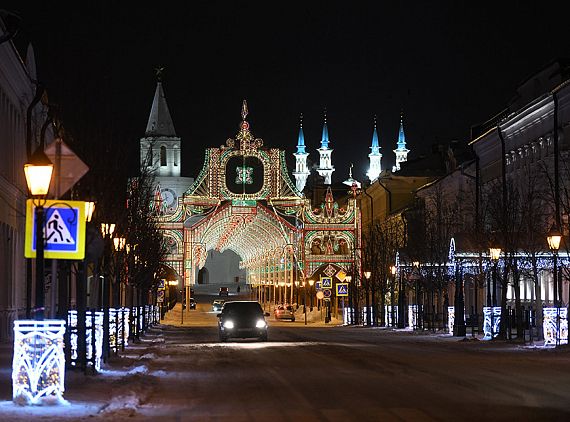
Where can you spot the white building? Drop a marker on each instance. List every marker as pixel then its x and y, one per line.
pixel 17 92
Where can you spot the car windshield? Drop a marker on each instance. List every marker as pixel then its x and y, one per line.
pixel 250 308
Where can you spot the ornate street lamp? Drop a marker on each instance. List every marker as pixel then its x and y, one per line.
pixel 38 177
pixel 494 254
pixel 393 270
pixel 554 237
pixel 367 275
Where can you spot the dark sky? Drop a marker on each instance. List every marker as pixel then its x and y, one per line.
pixel 447 65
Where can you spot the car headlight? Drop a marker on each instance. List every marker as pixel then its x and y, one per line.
pixel 260 323
pixel 228 324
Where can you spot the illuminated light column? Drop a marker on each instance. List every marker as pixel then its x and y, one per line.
pixel 94 347
pixel 38 366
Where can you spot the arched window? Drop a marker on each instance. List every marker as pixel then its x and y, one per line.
pixel 163 156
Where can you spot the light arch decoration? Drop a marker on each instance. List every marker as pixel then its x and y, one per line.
pixel 244 200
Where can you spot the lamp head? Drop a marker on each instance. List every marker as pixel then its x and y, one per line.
pixel 495 253
pixel 311 282
pixel 89 210
pixel 393 269
pixel 367 274
pixel 38 173
pixel 554 237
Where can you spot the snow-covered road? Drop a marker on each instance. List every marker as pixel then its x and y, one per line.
pixel 313 373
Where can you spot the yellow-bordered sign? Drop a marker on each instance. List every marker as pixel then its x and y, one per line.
pixel 342 289
pixel 64 229
pixel 326 283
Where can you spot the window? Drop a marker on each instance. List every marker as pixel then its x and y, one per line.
pixel 163 156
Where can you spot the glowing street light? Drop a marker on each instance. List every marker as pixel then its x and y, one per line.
pixel 38 177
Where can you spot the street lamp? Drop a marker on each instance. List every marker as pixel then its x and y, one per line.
pixel 553 237
pixel 38 177
pixel 107 230
pixel 494 254
pixel 393 270
pixel 367 274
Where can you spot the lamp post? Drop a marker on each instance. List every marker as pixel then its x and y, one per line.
pixel 119 243
pixel 494 253
pixel 401 300
pixel 416 277
pixel 367 275
pixel 81 296
pixel 459 329
pixel 553 239
pixel 350 301
pixel 38 177
pixel 392 313
pixel 107 230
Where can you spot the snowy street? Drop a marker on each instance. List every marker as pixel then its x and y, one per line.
pixel 310 373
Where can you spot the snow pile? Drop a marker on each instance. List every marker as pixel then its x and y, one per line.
pixel 148 356
pixel 140 369
pixel 123 405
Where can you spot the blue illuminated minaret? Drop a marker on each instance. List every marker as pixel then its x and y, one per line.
pixel 325 168
pixel 375 157
pixel 401 151
pixel 301 171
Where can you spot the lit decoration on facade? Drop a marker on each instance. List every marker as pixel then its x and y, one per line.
pixel 97 328
pixel 256 213
pixel 550 326
pixel 38 367
pixel 244 175
pixel 491 321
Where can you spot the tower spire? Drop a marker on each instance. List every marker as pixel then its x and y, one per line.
pixel 160 147
pixel 401 151
pixel 325 168
pixel 375 156
pixel 301 170
pixel 159 120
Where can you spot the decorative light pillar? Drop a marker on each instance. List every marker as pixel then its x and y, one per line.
pixel 38 366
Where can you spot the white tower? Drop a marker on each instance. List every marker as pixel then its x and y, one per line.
pixel 301 171
pixel 325 168
pixel 160 147
pixel 375 157
pixel 401 151
pixel 160 153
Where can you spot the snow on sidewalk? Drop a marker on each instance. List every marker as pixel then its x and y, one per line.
pixel 123 386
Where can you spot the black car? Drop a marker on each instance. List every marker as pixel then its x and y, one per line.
pixel 242 319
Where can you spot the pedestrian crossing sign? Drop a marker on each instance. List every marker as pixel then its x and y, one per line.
pixel 64 229
pixel 326 282
pixel 342 289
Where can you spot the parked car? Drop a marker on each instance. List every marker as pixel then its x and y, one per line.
pixel 242 319
pixel 223 291
pixel 217 305
pixel 284 312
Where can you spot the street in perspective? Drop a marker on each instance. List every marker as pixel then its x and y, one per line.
pixel 181 371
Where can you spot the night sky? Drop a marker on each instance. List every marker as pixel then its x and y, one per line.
pixel 447 65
